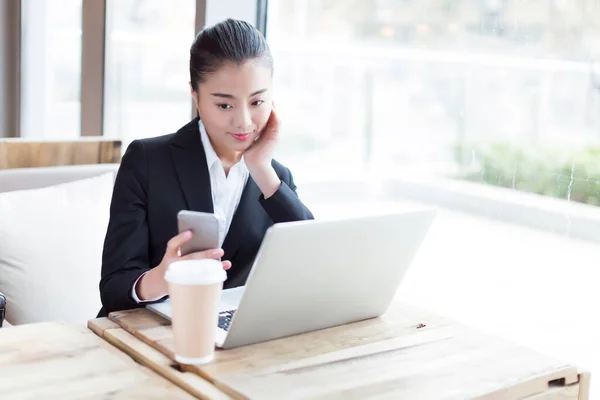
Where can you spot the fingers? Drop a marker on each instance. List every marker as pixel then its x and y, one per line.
pixel 275 122
pixel 201 255
pixel 272 126
pixel 176 242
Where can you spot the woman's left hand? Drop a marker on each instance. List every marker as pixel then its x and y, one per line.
pixel 258 157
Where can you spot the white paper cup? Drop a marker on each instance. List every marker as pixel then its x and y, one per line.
pixel 195 290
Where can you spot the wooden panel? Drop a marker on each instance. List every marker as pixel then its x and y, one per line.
pixel 584 385
pixel 154 360
pixel 570 392
pixel 55 361
pixel 468 365
pixel 398 322
pixel 110 152
pixel 100 325
pixel 20 153
pixel 407 353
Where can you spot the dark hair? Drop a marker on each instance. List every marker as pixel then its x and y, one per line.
pixel 228 41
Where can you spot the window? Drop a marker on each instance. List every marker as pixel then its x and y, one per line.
pixel 438 87
pixel 488 109
pixel 147 56
pixel 51 69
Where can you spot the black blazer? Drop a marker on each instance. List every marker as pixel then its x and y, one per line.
pixel 157 178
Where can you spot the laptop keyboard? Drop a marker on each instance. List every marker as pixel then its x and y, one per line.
pixel 225 319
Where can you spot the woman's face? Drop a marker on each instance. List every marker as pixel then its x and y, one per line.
pixel 235 103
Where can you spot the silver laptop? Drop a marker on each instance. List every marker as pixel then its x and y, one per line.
pixel 310 275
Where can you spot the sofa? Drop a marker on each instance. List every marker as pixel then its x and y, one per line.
pixel 52 226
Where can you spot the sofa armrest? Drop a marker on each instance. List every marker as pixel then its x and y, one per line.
pixel 2 309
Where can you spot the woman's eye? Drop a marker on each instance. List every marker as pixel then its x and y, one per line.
pixel 224 106
pixel 257 102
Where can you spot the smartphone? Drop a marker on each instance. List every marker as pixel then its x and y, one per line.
pixel 204 227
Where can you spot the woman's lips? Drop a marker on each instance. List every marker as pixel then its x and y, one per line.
pixel 241 136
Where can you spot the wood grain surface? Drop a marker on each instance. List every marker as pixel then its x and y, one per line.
pixel 407 353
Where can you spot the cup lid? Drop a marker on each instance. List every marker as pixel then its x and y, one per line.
pixel 196 272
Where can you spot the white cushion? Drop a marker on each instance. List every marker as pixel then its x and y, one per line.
pixel 51 250
pixel 35 178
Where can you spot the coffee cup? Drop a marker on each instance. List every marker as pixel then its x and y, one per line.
pixel 195 288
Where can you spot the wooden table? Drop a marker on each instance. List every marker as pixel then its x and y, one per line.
pixel 56 361
pixel 406 354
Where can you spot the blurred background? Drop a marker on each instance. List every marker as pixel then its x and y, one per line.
pixel 487 109
pixel 504 92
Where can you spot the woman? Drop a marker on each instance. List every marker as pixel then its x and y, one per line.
pixel 220 162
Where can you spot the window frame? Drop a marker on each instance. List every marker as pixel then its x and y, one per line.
pixel 93 56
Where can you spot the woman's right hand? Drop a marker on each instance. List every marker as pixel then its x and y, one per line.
pixel 152 285
pixel 173 252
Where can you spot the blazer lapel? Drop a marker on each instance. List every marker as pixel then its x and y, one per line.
pixel 243 218
pixel 189 159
